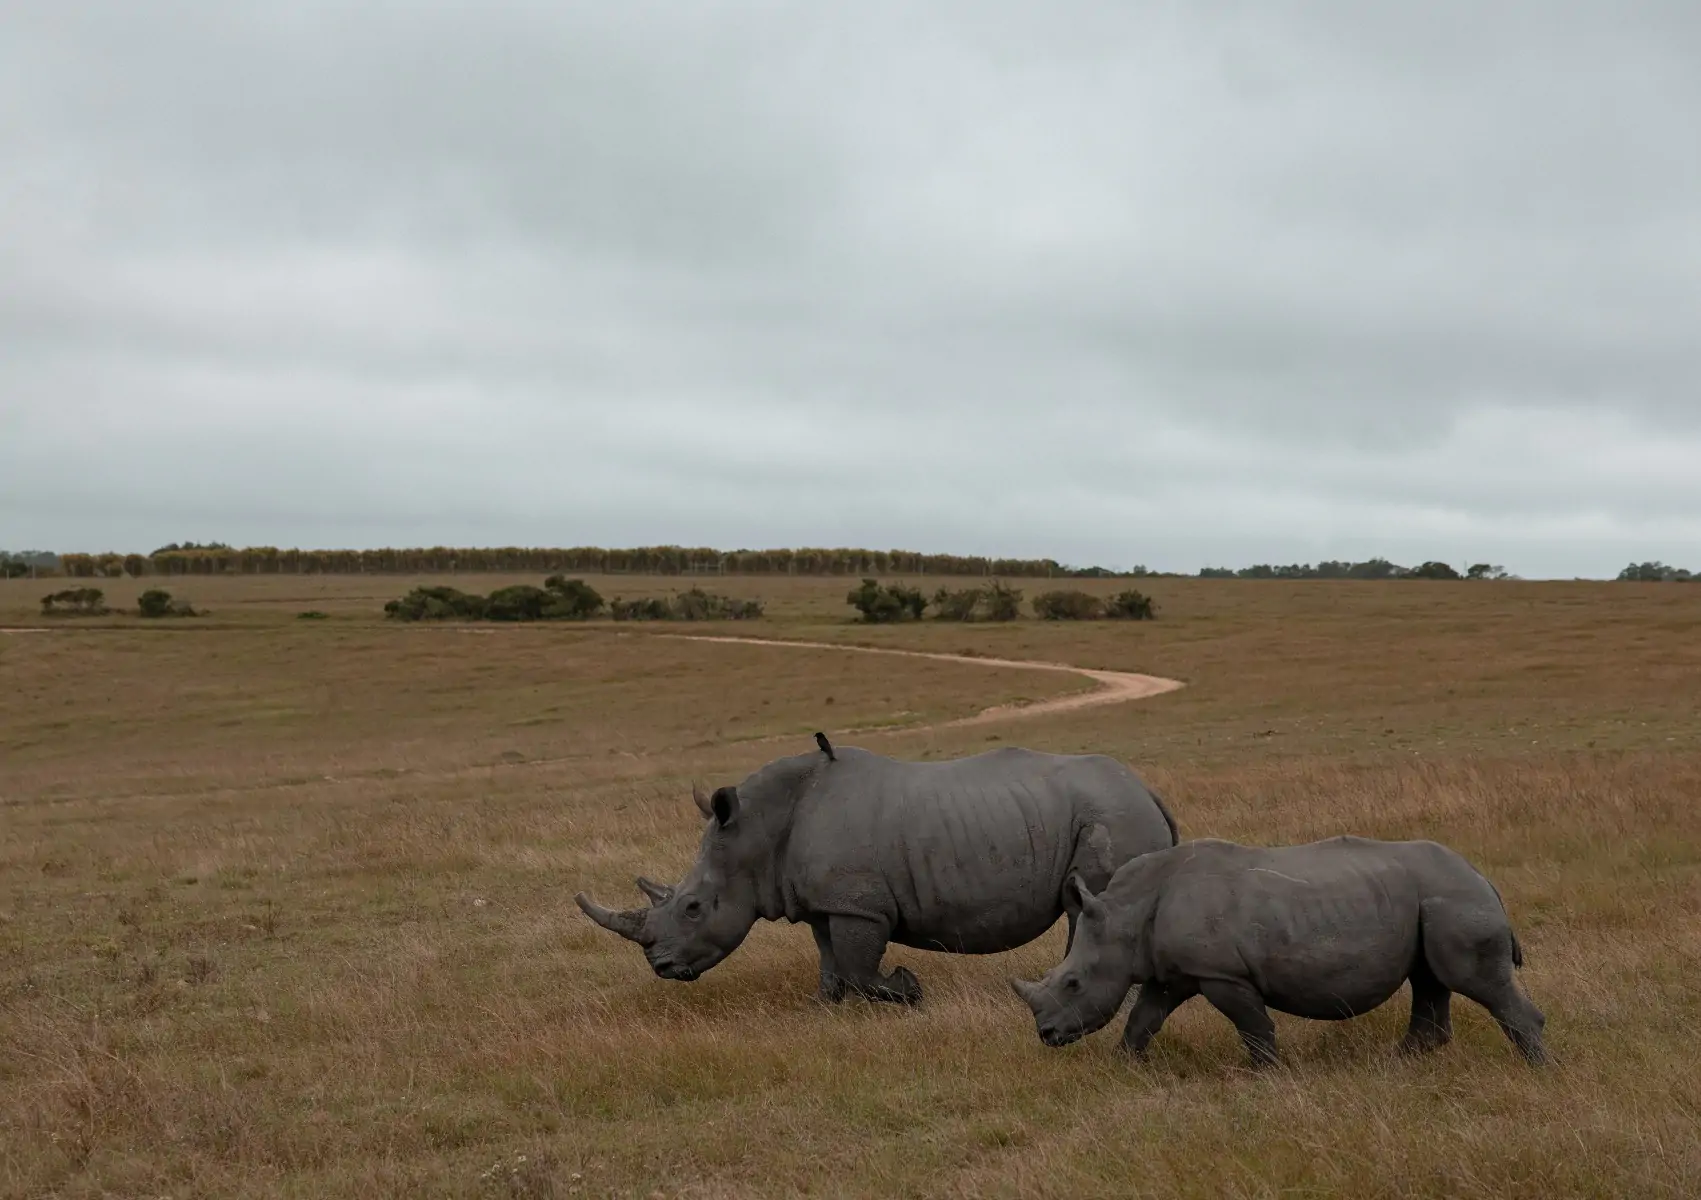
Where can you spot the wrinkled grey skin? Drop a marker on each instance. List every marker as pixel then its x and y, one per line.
pixel 967 856
pixel 1328 930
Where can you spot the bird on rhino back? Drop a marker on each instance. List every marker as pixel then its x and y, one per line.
pixel 966 856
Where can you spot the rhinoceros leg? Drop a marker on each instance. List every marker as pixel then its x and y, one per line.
pixel 832 984
pixel 1151 1010
pixel 1431 1026
pixel 1240 1002
pixel 857 945
pixel 1471 952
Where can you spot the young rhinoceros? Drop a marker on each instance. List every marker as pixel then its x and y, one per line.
pixel 967 856
pixel 1328 930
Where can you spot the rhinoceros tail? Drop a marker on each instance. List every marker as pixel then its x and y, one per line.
pixel 1174 833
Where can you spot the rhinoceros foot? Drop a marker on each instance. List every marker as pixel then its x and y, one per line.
pixel 906 986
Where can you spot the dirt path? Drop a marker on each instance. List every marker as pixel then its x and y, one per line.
pixel 1115 687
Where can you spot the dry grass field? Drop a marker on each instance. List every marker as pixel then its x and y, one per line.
pixel 286 906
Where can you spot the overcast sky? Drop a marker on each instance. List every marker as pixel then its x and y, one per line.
pixel 1175 284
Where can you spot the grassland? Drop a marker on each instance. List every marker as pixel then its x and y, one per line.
pixel 285 906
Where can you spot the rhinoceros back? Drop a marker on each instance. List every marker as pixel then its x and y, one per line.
pixel 967 855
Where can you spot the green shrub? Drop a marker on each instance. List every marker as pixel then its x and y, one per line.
pixel 1434 570
pixel 436 604
pixel 956 606
pixel 75 602
pixel 563 599
pixel 883 605
pixel 521 602
pixel 697 605
pixel 652 609
pixel 995 602
pixel 693 604
pixel 1003 603
pixel 157 602
pixel 1131 605
pixel 311 614
pixel 1068 606
pixel 574 599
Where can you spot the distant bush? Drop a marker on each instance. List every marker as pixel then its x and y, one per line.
pixel 882 605
pixel 956 606
pixel 652 609
pixel 1434 570
pixel 522 602
pixel 75 602
pixel 692 605
pixel 311 614
pixel 698 605
pixel 575 600
pixel 1068 606
pixel 995 602
pixel 1003 603
pixel 436 604
pixel 157 602
pixel 559 599
pixel 1656 572
pixel 1131 605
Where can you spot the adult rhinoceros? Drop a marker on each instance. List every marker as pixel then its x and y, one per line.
pixel 967 856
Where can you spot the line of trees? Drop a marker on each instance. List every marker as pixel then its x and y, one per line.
pixel 218 559
pixel 1375 568
pixel 16 564
pixel 1656 572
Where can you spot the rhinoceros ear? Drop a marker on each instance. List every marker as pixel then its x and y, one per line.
pixel 1075 892
pixel 725 805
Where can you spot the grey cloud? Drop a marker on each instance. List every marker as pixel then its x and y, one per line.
pixel 1122 283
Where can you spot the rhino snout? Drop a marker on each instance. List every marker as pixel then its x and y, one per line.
pixel 671 968
pixel 1059 1035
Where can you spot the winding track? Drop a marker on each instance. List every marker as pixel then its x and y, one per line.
pixel 1115 687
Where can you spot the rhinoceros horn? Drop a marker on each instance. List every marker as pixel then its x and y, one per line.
pixel 659 893
pixel 704 805
pixel 628 924
pixel 1029 992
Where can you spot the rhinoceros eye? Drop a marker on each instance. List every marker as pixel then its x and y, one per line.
pixel 1071 985
pixel 694 909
